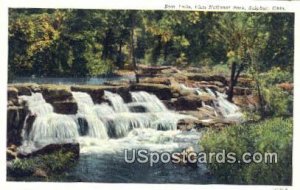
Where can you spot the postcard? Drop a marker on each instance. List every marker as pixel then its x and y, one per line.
pixel 158 92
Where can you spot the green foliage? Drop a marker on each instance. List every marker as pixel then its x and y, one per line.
pixel 51 163
pixel 276 75
pixel 276 101
pixel 84 43
pixel 272 135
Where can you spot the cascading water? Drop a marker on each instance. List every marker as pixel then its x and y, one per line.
pixel 228 110
pixel 37 104
pixel 150 101
pixel 116 101
pixel 99 121
pixel 210 92
pixel 53 128
pixel 86 107
pixel 221 106
pixel 48 127
pixel 105 130
pixel 163 119
pixel 114 120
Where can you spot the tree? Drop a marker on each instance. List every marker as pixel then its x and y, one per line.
pixel 244 36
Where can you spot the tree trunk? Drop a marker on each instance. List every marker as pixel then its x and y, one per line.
pixel 260 97
pixel 120 62
pixel 235 74
pixel 133 61
pixel 231 83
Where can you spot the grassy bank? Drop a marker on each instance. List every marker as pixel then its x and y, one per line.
pixel 271 135
pixel 43 165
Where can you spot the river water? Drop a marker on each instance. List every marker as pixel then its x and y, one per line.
pixel 104 131
pixel 69 80
pixel 105 161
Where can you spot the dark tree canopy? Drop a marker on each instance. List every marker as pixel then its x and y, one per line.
pixel 80 43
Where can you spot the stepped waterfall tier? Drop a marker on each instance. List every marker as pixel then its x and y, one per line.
pixel 105 130
pixel 221 106
pixel 109 120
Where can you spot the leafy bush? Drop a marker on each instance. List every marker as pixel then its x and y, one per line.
pixel 276 75
pixel 278 101
pixel 273 135
pixel 51 163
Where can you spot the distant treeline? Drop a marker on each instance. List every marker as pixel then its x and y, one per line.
pixel 79 43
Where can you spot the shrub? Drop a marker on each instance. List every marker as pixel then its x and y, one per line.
pixel 51 163
pixel 272 135
pixel 276 75
pixel 278 102
pixel 275 101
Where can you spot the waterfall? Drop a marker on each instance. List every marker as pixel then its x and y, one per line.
pixel 37 104
pixel 103 110
pixel 84 102
pixel 199 91
pixel 221 106
pixel 86 110
pixel 116 101
pixel 47 126
pixel 210 92
pixel 150 101
pixel 53 127
pixel 168 121
pixel 125 122
pixel 99 121
pixel 228 110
